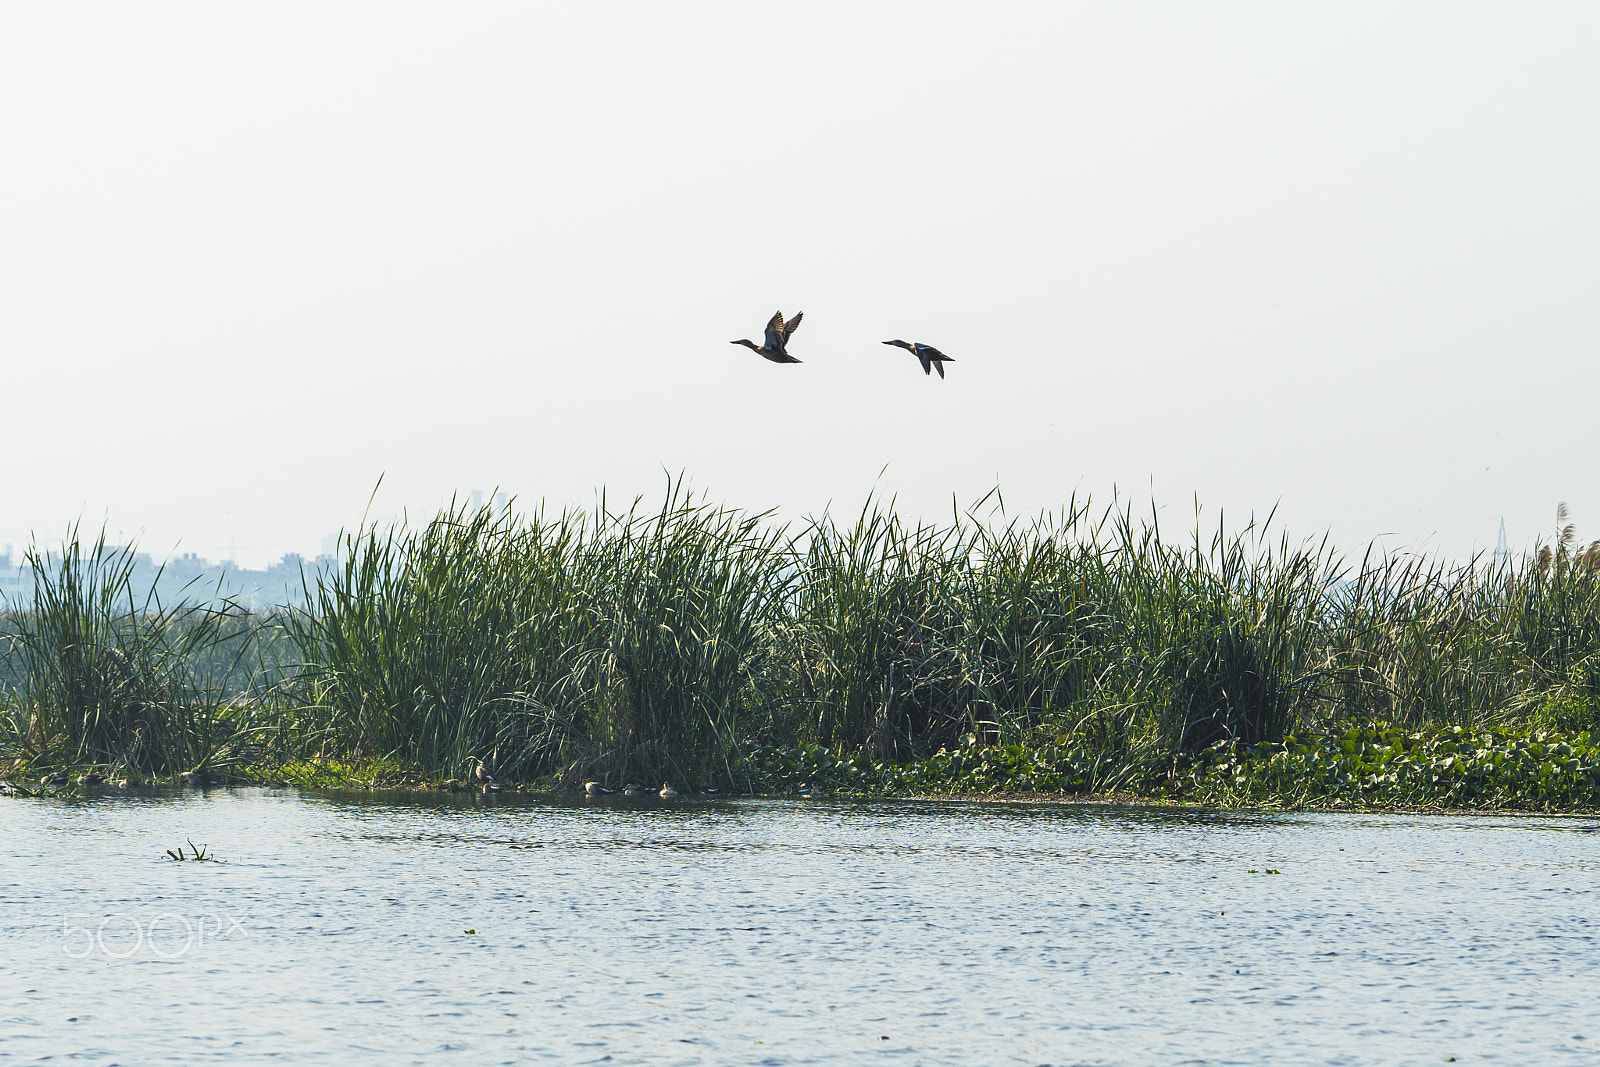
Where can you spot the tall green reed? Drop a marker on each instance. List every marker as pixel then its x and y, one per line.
pixel 1223 638
pixel 107 676
pixel 863 657
pixel 1417 641
pixel 667 642
pixel 901 639
pixel 614 644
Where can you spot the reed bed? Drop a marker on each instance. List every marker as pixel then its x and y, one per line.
pixel 617 644
pixel 699 644
pixel 100 676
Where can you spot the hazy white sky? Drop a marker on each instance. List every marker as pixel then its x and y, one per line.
pixel 1341 258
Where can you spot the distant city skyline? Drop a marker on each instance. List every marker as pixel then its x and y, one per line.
pixel 188 576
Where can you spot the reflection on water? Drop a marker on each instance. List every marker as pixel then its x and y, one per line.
pixel 398 929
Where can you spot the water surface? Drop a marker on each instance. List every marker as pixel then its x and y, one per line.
pixel 403 929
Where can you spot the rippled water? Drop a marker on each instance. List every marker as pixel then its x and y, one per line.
pixel 502 930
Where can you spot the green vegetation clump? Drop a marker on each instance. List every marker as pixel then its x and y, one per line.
pixel 1072 654
pixel 1390 767
pixel 1364 767
pixel 101 678
pixel 618 645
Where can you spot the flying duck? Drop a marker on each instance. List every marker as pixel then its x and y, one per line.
pixel 778 333
pixel 930 357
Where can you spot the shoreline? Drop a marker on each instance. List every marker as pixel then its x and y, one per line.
pixel 10 787
pixel 1377 767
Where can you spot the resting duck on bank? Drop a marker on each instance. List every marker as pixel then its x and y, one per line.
pixel 667 792
pixel 595 789
pixel 633 789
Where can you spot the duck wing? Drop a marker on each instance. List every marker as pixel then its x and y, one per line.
pixel 793 324
pixel 932 353
pixel 927 364
pixel 775 332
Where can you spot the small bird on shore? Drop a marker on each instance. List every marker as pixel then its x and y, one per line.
pixel 777 338
pixel 481 773
pixel 595 789
pixel 667 792
pixel 931 358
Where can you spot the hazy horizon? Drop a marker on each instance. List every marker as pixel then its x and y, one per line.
pixel 1333 259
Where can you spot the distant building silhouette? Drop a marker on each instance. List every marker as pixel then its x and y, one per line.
pixel 187 577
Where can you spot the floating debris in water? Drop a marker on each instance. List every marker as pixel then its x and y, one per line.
pixel 197 854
